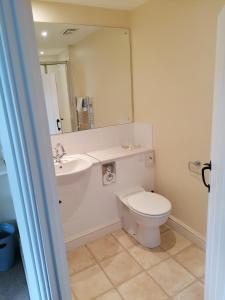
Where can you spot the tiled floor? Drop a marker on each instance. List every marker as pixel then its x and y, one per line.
pixel 116 267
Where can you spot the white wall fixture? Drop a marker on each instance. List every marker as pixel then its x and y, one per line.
pixel 109 173
pixel 89 208
pixel 28 157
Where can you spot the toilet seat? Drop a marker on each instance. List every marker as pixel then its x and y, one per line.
pixel 149 204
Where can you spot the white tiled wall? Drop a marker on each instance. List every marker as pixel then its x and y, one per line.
pixel 96 139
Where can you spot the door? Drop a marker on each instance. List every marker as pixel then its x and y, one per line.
pixel 27 151
pixel 215 262
pixel 51 101
pixel 60 73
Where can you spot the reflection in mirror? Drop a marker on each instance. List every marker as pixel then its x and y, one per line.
pixel 86 73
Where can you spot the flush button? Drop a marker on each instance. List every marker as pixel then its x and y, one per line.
pixel 149 160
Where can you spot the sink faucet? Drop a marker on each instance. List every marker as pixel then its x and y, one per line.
pixel 59 153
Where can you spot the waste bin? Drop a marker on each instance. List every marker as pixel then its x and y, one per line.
pixel 7 246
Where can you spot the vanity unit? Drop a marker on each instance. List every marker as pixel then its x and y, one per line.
pixel 89 207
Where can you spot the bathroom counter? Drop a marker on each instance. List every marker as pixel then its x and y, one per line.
pixel 113 153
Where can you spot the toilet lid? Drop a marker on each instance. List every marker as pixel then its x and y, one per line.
pixel 149 203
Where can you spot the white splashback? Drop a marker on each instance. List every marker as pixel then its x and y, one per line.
pixel 100 138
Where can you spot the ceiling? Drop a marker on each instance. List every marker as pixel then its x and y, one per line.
pixel 113 4
pixel 56 41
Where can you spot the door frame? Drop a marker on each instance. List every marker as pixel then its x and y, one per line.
pixel 215 248
pixel 27 151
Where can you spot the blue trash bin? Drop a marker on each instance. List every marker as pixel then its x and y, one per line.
pixel 7 246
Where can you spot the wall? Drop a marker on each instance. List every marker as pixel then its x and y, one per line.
pixel 173 66
pixel 77 14
pixel 100 68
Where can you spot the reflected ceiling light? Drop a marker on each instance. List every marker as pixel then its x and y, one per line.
pixel 41 52
pixel 44 33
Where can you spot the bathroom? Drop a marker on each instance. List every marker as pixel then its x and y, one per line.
pixel 128 90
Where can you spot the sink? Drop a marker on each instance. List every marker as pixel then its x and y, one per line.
pixel 72 165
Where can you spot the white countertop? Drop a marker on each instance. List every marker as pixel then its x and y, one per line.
pixel 109 154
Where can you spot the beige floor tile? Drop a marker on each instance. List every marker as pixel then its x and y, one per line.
pixel 104 247
pixel 73 297
pixel 193 292
pixel 147 257
pixel 120 267
pixel 111 295
pixel 163 228
pixel 171 276
pixel 125 240
pixel 193 259
pixel 173 242
pixel 79 259
pixel 90 283
pixel 141 287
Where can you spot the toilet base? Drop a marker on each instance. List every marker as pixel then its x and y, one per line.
pixel 148 236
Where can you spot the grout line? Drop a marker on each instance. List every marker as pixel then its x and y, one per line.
pixel 142 269
pixel 167 250
pixel 110 256
pixel 189 271
pixel 170 256
pixel 186 287
pixel 85 268
pixel 186 269
pixel 124 251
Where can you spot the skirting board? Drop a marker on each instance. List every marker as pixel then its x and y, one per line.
pixel 186 231
pixel 92 235
pixel 99 232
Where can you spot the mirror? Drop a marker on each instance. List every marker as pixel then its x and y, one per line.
pixel 86 73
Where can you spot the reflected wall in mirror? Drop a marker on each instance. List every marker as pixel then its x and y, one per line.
pixel 86 72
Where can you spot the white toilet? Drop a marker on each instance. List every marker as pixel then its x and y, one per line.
pixel 143 213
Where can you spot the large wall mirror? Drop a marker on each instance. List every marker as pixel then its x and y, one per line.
pixel 86 73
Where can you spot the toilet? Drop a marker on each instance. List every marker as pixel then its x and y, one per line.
pixel 142 214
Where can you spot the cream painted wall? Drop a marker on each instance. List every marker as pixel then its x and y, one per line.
pixel 173 67
pixel 100 68
pixel 77 14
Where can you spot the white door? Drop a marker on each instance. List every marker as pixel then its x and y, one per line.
pixel 51 101
pixel 60 72
pixel 27 151
pixel 215 263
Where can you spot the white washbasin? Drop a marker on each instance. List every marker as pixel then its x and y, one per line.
pixel 72 165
